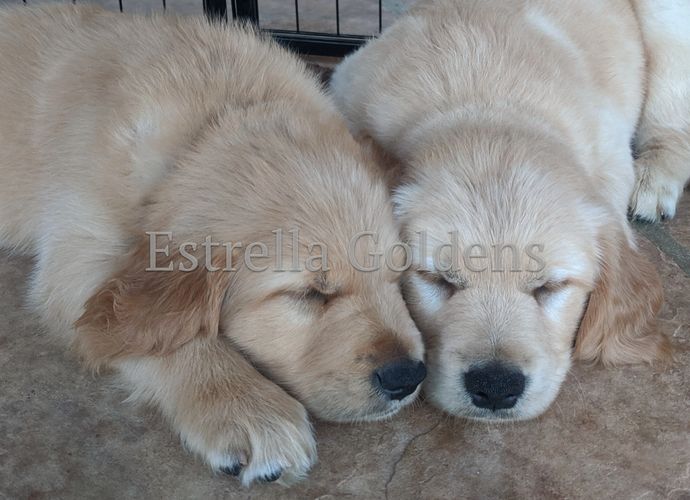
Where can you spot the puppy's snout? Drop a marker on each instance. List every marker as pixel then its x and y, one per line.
pixel 494 386
pixel 400 378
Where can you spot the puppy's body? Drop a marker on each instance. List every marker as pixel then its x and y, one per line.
pixel 112 126
pixel 535 65
pixel 513 123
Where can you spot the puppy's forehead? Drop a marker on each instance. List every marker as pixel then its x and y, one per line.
pixel 499 221
pixel 328 255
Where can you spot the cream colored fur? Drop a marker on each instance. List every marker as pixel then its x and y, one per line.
pixel 663 134
pixel 512 124
pixel 111 126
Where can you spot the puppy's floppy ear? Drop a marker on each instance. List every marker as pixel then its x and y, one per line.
pixel 619 325
pixel 144 313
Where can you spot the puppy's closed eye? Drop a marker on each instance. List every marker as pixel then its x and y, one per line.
pixel 447 285
pixel 548 289
pixel 314 296
pixel 310 298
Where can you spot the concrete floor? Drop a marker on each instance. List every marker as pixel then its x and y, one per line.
pixel 620 433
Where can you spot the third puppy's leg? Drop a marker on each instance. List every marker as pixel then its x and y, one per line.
pixel 663 136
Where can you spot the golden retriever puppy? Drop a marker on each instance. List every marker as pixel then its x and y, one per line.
pixel 512 123
pixel 193 202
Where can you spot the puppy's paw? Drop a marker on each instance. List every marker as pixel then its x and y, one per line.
pixel 656 192
pixel 258 439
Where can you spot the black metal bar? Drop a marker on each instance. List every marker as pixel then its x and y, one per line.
pixel 297 16
pixel 216 9
pixel 247 10
pixel 380 15
pixel 304 42
pixel 321 44
pixel 165 7
pixel 119 2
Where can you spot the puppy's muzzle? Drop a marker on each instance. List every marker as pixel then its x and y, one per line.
pixel 400 378
pixel 494 386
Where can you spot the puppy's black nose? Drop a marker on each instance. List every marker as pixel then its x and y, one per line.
pixel 494 386
pixel 398 379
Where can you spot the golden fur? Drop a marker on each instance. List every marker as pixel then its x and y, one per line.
pixel 512 124
pixel 112 126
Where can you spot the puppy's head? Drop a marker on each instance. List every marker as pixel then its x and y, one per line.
pixel 289 278
pixel 340 339
pixel 538 256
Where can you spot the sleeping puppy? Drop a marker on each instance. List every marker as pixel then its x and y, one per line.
pixel 510 125
pixel 160 170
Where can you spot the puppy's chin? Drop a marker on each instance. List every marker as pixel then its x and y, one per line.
pixel 471 412
pixel 464 408
pixel 380 409
pixel 384 415
pixel 393 408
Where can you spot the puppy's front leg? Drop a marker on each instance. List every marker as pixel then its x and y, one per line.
pixel 237 420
